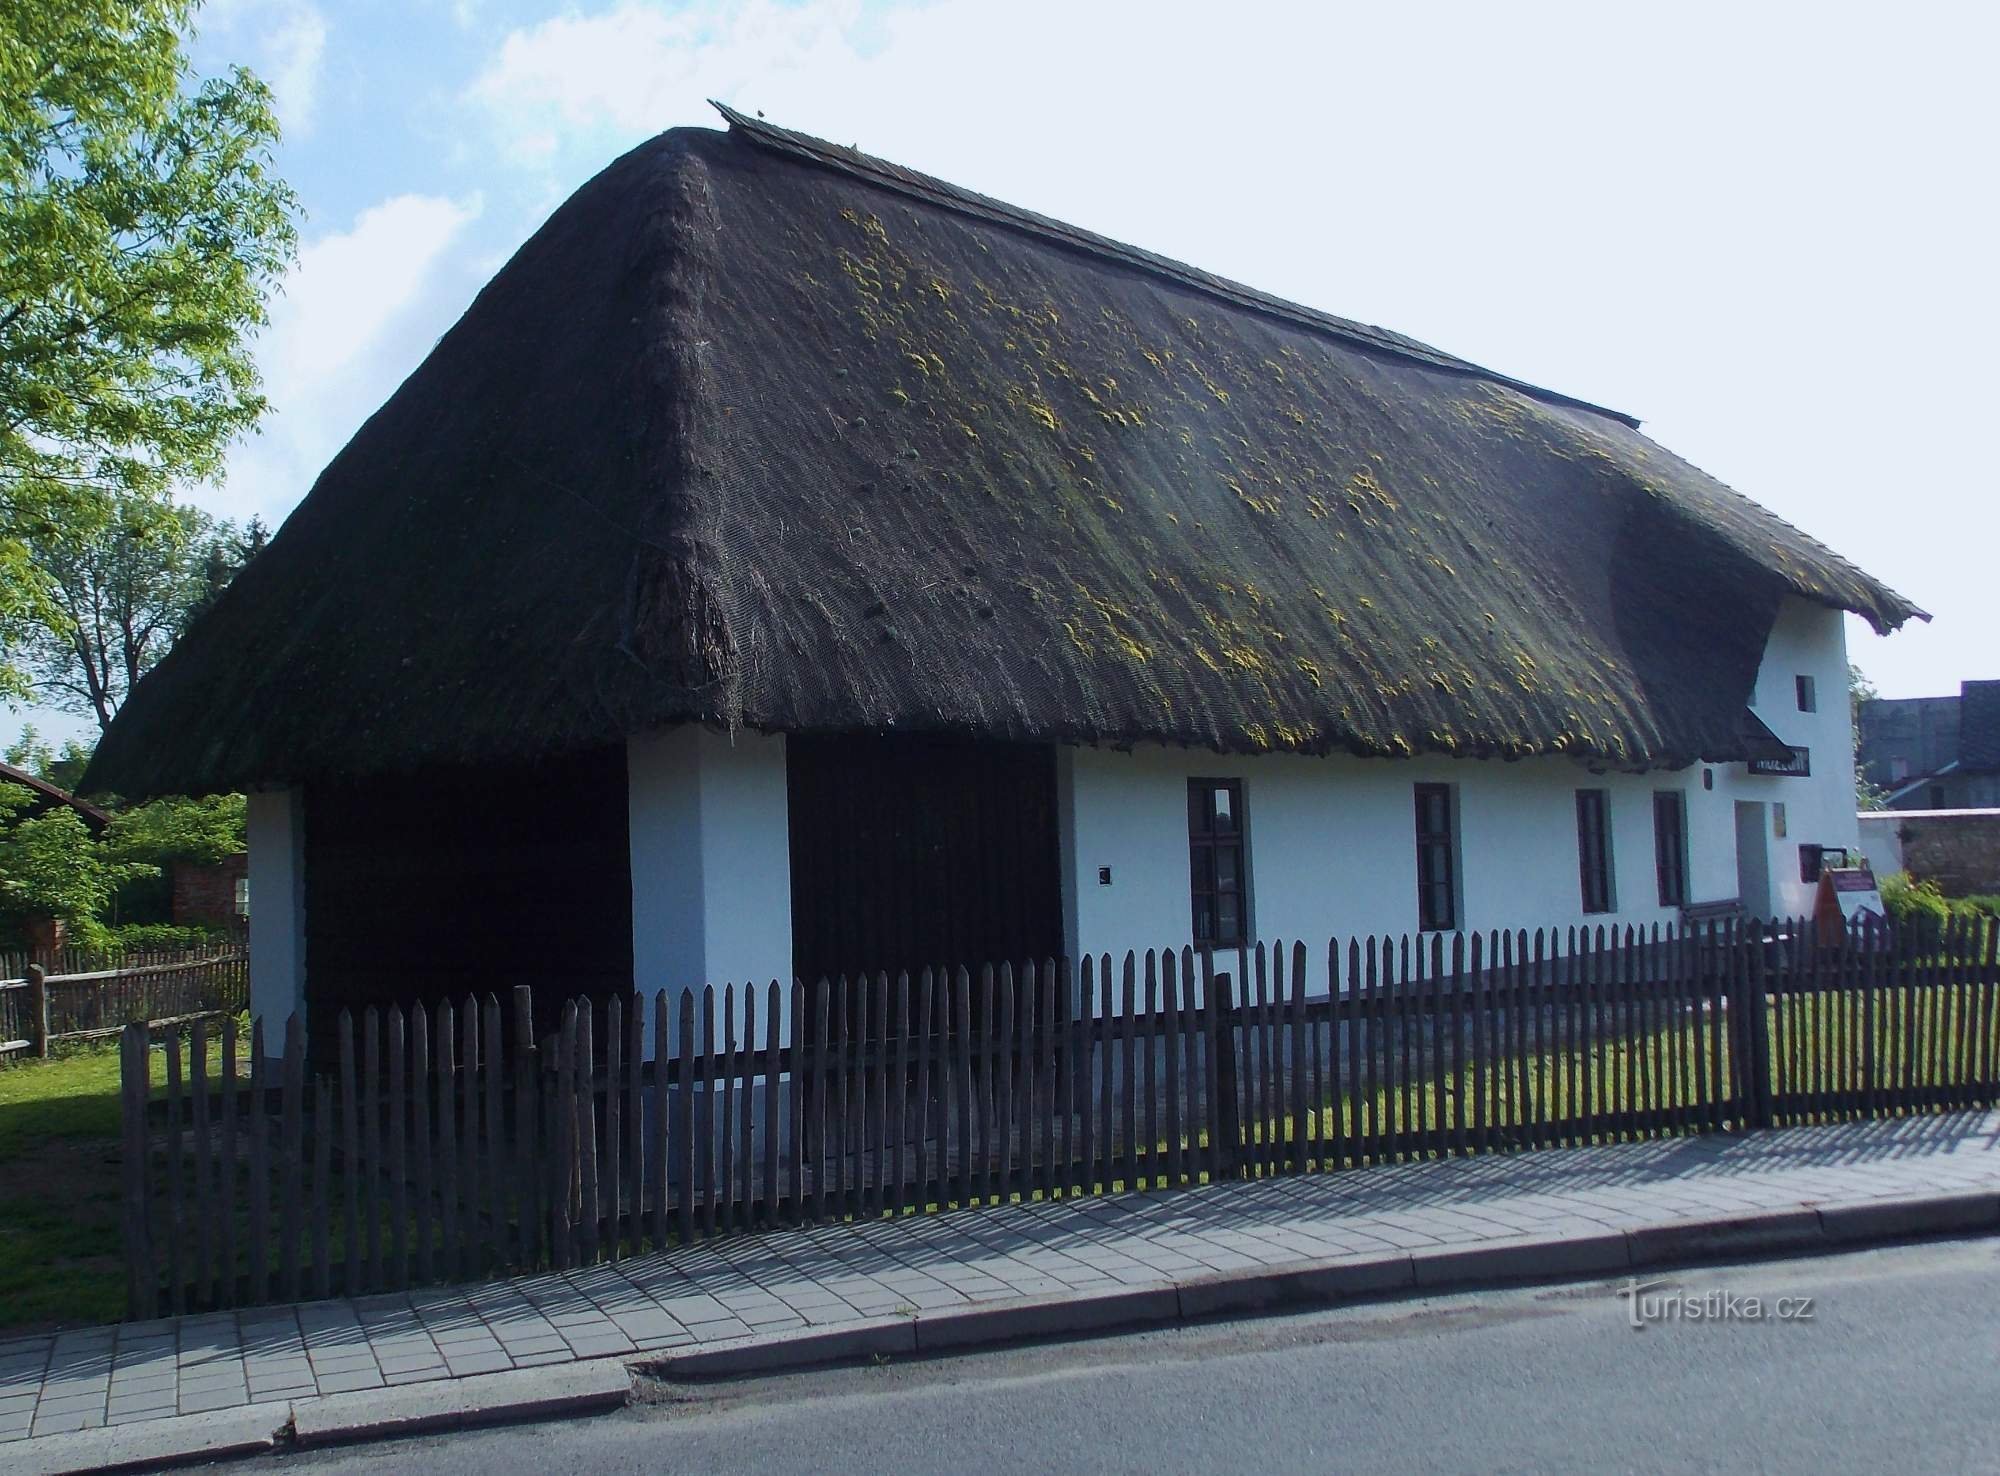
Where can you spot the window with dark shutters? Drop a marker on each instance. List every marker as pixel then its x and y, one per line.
pixel 1593 847
pixel 1217 877
pixel 1437 859
pixel 1670 846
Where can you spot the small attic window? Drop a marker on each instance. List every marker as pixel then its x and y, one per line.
pixel 1808 694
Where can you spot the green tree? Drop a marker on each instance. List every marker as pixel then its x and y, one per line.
pixel 52 865
pixel 140 231
pixel 1867 796
pixel 118 595
pixel 177 828
pixel 62 767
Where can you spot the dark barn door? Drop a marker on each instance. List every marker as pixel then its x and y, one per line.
pixel 441 884
pixel 916 851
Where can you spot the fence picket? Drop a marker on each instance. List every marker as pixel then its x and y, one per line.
pixel 655 1209
pixel 422 1233
pixel 1086 1067
pixel 683 1128
pixel 1301 1077
pixel 396 1275
pixel 371 1144
pixel 1065 1066
pixel 1171 1042
pixel 961 1056
pixel 202 1280
pixel 746 1116
pixel 1257 1057
pixel 1107 1053
pixel 1047 1096
pixel 1128 1099
pixel 471 1254
pixel 257 1126
pixel 444 1041
pixel 322 1202
pixel 773 1045
pixel 816 1087
pixel 793 1091
pixel 1000 1032
pixel 899 1087
pixel 927 1121
pixel 730 1063
pixel 611 1180
pixel 526 1172
pixel 840 1076
pixel 878 1126
pixel 1150 1070
pixel 142 1277
pixel 351 1236
pixel 291 1218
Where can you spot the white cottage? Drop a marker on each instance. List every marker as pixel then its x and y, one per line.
pixel 792 565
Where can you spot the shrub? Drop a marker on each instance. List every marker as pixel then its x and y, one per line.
pixel 160 937
pixel 1909 901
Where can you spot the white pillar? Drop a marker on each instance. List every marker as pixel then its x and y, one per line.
pixel 276 829
pixel 711 863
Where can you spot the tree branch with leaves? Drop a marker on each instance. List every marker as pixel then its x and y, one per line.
pixel 141 230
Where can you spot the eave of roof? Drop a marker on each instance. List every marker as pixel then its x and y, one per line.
pixel 48 791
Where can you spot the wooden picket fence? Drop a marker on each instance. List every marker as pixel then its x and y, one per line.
pixel 451 1145
pixel 96 995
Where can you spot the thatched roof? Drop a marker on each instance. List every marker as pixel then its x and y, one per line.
pixel 758 431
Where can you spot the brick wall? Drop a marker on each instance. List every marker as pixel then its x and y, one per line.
pixel 205 895
pixel 1958 849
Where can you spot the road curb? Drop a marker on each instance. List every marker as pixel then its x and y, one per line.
pixel 875 1337
pixel 1762 1232
pixel 606 1383
pixel 146 1445
pixel 480 1399
pixel 1053 1316
pixel 1848 1224
pixel 1346 1279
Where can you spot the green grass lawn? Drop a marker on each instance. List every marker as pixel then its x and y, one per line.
pixel 61 1261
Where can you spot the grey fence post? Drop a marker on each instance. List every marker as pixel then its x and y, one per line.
pixel 1228 1124
pixel 38 1010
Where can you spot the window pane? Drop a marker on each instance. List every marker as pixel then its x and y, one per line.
pixel 1225 813
pixel 1228 918
pixel 1204 920
pixel 1227 860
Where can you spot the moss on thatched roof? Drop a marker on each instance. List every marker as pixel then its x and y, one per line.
pixel 755 431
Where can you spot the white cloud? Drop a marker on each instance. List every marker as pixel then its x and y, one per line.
pixel 285 43
pixel 348 286
pixel 638 68
pixel 359 310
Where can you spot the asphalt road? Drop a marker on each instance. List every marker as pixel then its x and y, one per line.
pixel 1897 1369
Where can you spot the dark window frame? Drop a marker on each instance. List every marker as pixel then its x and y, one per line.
pixel 1670 846
pixel 1437 858
pixel 1593 851
pixel 1204 878
pixel 1806 690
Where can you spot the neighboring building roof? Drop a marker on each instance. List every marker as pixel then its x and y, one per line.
pixel 758 431
pixel 1934 735
pixel 1979 726
pixel 97 819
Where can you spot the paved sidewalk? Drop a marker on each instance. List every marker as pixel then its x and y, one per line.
pixel 755 1287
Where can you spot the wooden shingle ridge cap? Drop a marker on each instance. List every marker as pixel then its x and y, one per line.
pixel 933 191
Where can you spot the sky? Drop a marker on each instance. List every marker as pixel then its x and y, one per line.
pixel 1767 230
